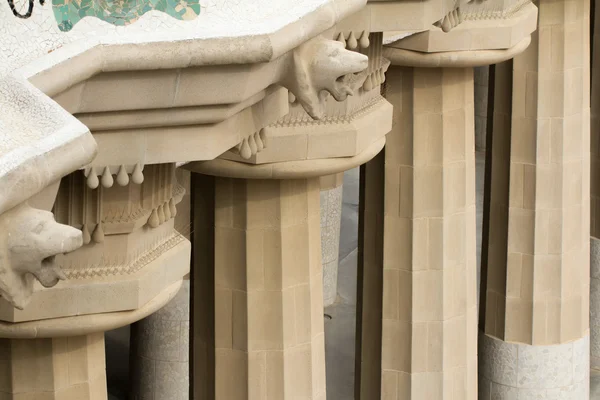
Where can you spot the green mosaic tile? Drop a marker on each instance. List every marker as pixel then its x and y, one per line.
pixel 120 12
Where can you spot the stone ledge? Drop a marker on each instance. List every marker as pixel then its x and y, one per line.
pixel 453 59
pixel 285 170
pixel 475 35
pixel 86 324
pixel 120 291
pixel 345 136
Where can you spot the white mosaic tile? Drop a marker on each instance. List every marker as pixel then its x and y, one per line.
pixel 595 302
pixel 174 381
pixel 160 346
pixel 581 360
pixel 331 216
pixel 559 372
pixel 545 366
pixel 595 257
pixel 22 40
pixel 501 392
pixel 498 360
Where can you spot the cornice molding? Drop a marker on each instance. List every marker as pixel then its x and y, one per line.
pixel 477 32
pixel 453 59
pixel 285 170
pixel 37 81
pixel 86 324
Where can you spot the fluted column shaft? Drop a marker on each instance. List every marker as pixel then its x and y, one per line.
pixel 58 369
pixel 269 338
pixel 429 314
pixel 535 310
pixel 595 198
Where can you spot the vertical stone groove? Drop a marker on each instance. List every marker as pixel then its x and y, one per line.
pixel 429 277
pixel 269 330
pixel 536 335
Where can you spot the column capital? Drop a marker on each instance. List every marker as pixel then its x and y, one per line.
pixel 468 35
pixel 350 131
pixel 82 325
pixel 452 59
pixel 285 170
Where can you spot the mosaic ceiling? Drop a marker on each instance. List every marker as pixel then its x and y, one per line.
pixel 117 12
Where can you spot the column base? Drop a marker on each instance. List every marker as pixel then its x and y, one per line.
pixel 515 371
pixel 595 303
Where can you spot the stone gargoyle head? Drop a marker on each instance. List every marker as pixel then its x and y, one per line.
pixel 321 66
pixel 29 241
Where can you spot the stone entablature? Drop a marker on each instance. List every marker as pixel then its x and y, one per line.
pixel 81 73
pixel 262 97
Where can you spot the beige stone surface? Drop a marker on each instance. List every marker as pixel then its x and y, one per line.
pixel 481 106
pixel 537 288
pixel 453 58
pixel 69 368
pixel 131 250
pixel 183 219
pixel 595 198
pixel 345 129
pixel 500 29
pixel 266 108
pixel 429 310
pixel 203 135
pixel 396 17
pixel 288 169
pixel 269 338
pixel 30 240
pixel 595 132
pixel 535 266
pixel 151 65
pixel 86 324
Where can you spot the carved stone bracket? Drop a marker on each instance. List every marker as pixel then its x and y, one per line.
pixel 29 241
pixel 251 145
pixel 320 67
pixel 450 20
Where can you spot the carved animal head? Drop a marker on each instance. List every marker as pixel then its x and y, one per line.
pixel 322 66
pixel 29 241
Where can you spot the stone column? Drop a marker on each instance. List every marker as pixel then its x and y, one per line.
pixel 159 344
pixel 429 328
pixel 268 301
pixel 259 278
pixel 535 302
pixel 268 290
pixel 331 218
pixel 481 105
pixel 159 352
pixel 367 381
pixel 59 368
pixel 595 199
